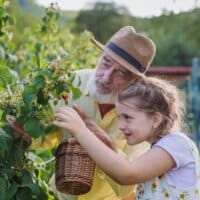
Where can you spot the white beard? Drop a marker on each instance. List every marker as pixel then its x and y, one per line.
pixel 100 98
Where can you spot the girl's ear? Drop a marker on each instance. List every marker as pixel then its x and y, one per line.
pixel 157 119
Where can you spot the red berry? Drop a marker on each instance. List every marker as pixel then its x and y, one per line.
pixel 65 97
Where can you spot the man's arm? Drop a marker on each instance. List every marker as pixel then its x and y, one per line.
pixel 19 132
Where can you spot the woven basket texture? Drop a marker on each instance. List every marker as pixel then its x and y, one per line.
pixel 74 169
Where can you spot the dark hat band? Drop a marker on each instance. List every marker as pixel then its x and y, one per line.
pixel 123 54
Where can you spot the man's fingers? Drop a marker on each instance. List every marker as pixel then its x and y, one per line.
pixel 82 114
pixel 19 131
pixel 72 141
pixel 16 127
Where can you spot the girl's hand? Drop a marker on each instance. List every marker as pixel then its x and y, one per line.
pixel 68 118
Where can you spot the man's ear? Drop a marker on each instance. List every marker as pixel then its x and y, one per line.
pixel 157 119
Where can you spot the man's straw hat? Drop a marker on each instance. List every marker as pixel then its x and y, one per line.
pixel 132 50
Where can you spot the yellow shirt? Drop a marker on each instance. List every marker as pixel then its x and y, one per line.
pixel 103 187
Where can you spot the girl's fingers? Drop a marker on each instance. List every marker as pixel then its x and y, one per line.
pixel 62 110
pixel 60 124
pixel 62 117
pixel 66 111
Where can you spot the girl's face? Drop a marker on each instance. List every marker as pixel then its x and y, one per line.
pixel 136 125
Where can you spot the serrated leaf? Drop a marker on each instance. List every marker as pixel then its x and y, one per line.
pixel 34 128
pixel 29 94
pixel 39 82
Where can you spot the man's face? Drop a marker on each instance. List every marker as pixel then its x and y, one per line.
pixel 110 76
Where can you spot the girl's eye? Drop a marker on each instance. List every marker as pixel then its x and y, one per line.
pixel 127 117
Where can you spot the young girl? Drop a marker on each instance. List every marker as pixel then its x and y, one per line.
pixel 148 110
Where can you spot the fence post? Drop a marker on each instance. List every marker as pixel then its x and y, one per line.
pixel 195 72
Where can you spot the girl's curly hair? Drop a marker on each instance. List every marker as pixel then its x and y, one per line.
pixel 150 95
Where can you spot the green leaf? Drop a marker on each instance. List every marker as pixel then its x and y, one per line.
pixel 43 73
pixel 5 140
pixel 42 98
pixel 26 177
pixel 1 33
pixel 29 94
pixel 11 191
pixel 11 20
pixel 5 76
pixel 2 12
pixel 34 188
pixel 4 169
pixel 3 187
pixel 38 46
pixel 27 181
pixel 59 88
pixel 7 111
pixel 2 53
pixel 76 93
pixel 34 128
pixel 17 157
pixel 39 82
pixel 24 193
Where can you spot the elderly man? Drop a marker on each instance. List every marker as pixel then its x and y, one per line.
pixel 126 56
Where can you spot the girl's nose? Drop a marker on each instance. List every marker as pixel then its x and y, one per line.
pixel 122 126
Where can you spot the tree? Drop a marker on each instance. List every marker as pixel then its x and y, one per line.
pixel 102 19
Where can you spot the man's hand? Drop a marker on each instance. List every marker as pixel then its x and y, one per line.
pixel 18 132
pixel 93 127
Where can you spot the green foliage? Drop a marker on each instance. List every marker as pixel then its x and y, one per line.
pixel 93 19
pixel 176 35
pixel 33 78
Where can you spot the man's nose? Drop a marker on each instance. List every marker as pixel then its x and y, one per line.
pixel 107 76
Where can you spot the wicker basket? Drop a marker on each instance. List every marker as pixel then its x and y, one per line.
pixel 74 169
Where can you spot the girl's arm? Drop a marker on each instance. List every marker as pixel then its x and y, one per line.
pixel 151 164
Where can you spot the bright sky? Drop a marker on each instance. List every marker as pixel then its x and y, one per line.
pixel 141 8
